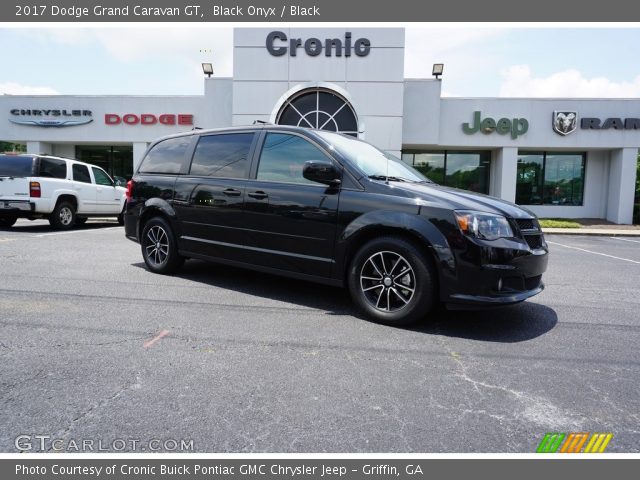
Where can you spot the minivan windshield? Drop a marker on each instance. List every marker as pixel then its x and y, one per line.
pixel 374 163
pixel 15 166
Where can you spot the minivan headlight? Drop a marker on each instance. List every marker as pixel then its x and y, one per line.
pixel 483 225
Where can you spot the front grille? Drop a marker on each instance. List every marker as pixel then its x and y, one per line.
pixel 527 224
pixel 534 241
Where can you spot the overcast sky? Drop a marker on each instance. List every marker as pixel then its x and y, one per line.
pixel 479 61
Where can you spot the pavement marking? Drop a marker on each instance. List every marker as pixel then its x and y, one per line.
pixel 74 231
pixel 625 239
pixel 595 253
pixel 155 339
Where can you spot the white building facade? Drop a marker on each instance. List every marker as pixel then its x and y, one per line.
pixel 571 158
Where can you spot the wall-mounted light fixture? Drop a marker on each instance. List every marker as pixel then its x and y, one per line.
pixel 207 69
pixel 437 70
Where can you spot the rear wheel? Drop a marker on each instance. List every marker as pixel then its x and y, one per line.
pixel 7 222
pixel 159 247
pixel 392 281
pixel 63 216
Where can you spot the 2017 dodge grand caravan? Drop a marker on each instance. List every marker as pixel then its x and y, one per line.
pixel 329 208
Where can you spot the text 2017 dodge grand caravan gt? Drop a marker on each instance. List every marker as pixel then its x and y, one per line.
pixel 329 208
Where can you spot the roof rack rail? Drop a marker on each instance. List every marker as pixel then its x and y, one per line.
pixel 261 122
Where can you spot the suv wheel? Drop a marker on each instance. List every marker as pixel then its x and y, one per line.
pixel 159 247
pixel 392 281
pixel 63 216
pixel 7 222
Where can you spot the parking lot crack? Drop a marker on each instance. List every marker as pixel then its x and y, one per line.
pixel 536 409
pixel 94 408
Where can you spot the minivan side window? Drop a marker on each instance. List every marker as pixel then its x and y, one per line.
pixel 166 156
pixel 101 177
pixel 283 157
pixel 53 168
pixel 222 155
pixel 81 173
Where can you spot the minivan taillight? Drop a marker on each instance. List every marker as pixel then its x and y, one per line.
pixel 129 189
pixel 34 189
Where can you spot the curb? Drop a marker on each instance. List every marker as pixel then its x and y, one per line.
pixel 592 232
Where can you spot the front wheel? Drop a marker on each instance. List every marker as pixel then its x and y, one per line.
pixel 63 216
pixel 159 247
pixel 392 281
pixel 7 222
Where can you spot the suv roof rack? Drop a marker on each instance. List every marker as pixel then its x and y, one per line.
pixel 261 122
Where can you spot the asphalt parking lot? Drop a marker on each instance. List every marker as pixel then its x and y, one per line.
pixel 94 347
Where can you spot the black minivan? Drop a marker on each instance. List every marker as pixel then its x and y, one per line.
pixel 330 208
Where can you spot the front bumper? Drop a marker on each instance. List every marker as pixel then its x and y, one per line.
pixel 495 273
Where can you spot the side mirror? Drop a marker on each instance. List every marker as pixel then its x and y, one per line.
pixel 119 182
pixel 321 171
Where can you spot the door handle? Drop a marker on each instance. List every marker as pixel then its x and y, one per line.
pixel 259 195
pixel 232 192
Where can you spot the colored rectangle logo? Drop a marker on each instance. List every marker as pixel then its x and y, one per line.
pixel 557 442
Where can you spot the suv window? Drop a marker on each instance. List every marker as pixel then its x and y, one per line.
pixel 53 168
pixel 81 173
pixel 283 157
pixel 222 155
pixel 101 177
pixel 167 156
pixel 15 166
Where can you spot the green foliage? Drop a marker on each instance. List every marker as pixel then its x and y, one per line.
pixel 11 147
pixel 558 223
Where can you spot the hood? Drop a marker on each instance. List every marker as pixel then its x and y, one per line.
pixel 457 199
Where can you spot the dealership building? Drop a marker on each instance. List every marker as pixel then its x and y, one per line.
pixel 571 158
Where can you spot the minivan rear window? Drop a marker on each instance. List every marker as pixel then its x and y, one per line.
pixel 167 156
pixel 15 166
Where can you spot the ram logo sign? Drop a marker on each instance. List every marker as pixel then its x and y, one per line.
pixel 565 123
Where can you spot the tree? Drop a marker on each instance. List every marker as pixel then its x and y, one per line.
pixel 11 147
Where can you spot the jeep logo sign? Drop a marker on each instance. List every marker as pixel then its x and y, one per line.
pixel 515 126
pixel 278 44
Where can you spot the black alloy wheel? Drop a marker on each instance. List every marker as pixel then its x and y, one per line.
pixel 392 281
pixel 159 247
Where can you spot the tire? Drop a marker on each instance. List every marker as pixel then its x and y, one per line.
pixel 159 247
pixel 81 220
pixel 392 281
pixel 7 222
pixel 120 218
pixel 63 216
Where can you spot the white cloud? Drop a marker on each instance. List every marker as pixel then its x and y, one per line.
pixel 518 81
pixel 451 46
pixel 12 88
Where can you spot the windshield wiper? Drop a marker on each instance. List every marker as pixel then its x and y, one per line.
pixel 394 179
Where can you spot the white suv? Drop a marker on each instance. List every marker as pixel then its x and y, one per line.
pixel 65 191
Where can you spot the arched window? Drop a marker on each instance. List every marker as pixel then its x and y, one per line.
pixel 319 108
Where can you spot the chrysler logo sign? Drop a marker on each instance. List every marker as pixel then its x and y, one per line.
pixel 50 117
pixel 565 123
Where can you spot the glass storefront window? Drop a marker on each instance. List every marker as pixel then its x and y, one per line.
pixel 550 178
pixel 117 161
pixel 431 165
pixel 468 170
